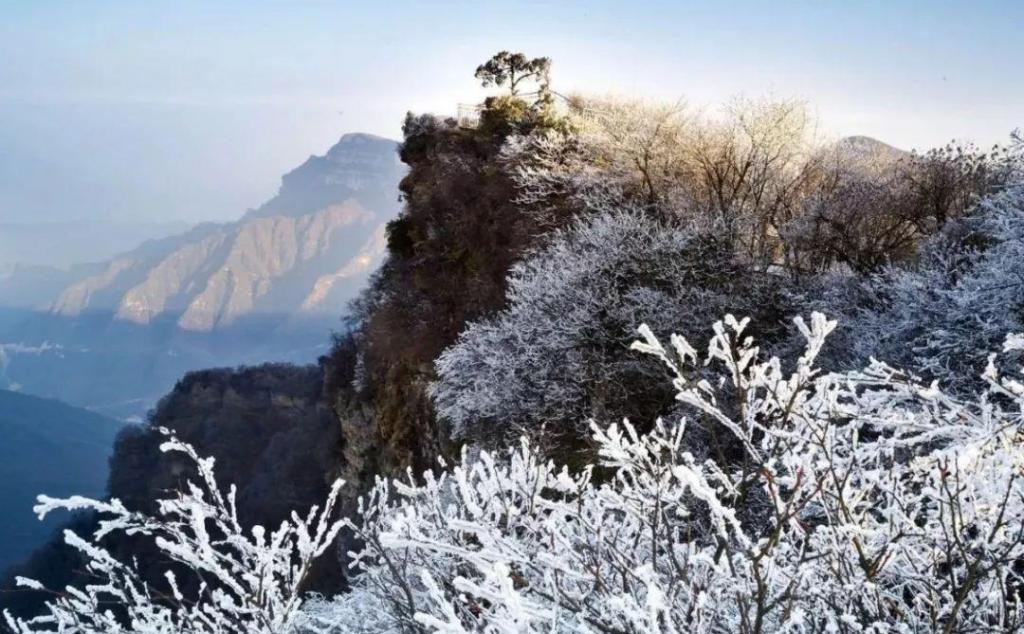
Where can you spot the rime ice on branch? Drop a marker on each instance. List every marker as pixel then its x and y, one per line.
pixel 861 502
pixel 249 581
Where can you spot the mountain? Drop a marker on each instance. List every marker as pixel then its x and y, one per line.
pixel 306 251
pixel 268 287
pixel 360 166
pixel 48 447
pixel 867 153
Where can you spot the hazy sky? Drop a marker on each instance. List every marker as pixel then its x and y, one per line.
pixel 192 110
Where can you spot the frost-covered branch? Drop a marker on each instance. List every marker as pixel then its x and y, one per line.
pixel 860 502
pixel 248 580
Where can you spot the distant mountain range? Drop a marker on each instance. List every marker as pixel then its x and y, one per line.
pixel 305 251
pixel 269 286
pixel 47 447
pixel 215 275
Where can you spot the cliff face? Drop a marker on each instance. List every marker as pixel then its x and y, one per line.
pixel 268 427
pixel 448 254
pixel 306 251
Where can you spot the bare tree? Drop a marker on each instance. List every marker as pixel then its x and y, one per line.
pixel 750 167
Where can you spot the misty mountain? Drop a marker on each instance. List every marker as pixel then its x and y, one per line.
pixel 48 447
pixel 306 251
pixel 868 153
pixel 269 286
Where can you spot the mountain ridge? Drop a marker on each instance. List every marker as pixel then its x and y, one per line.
pixel 322 233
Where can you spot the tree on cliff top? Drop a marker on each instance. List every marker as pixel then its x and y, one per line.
pixel 514 68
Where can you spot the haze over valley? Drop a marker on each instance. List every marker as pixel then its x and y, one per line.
pixel 269 286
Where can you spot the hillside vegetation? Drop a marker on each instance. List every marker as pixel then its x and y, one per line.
pixel 597 386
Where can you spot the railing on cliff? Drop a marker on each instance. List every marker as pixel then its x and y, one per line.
pixel 468 114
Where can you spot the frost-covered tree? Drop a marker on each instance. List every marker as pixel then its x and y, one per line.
pixel 946 182
pixel 613 152
pixel 642 145
pixel 873 205
pixel 852 215
pixel 249 582
pixel 880 505
pixel 751 167
pixel 939 316
pixel 559 352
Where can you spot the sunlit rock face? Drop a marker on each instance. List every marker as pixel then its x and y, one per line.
pixel 272 264
pixel 359 167
pixel 305 252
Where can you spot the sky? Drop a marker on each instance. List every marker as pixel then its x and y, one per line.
pixel 157 111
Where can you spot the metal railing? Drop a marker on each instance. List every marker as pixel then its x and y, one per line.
pixel 467 115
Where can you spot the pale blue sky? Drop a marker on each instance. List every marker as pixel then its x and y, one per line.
pixel 192 110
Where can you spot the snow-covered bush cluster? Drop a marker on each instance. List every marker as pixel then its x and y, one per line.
pixel 864 501
pixel 249 581
pixel 559 353
pixel 939 317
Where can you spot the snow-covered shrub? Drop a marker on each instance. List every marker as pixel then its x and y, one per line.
pixel 559 353
pixel 249 581
pixel 883 505
pixel 861 502
pixel 939 317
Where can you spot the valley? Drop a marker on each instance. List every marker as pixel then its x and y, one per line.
pixel 114 336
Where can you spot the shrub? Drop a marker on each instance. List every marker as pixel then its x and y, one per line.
pixel 863 502
pixel 249 581
pixel 558 353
